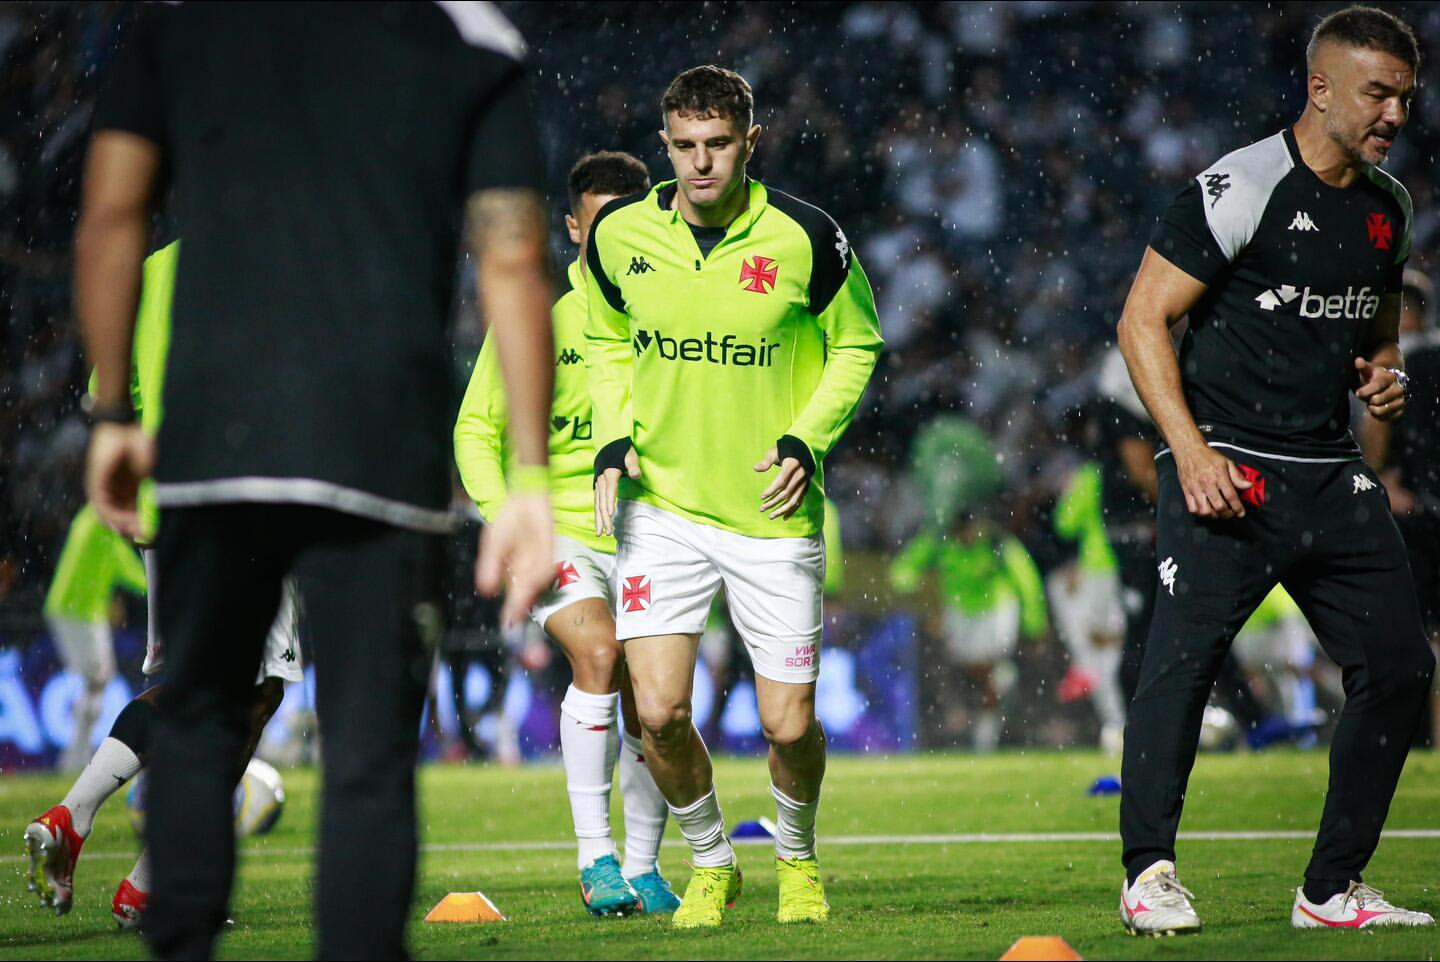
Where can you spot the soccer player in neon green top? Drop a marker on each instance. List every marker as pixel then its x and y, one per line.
pixel 576 610
pixel 94 562
pixel 1087 603
pixel 731 333
pixel 94 555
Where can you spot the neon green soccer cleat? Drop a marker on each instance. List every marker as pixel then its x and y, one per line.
pixel 710 892
pixel 802 894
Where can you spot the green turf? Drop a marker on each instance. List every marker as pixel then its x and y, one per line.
pixel 910 900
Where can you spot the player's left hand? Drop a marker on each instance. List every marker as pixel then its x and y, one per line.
pixel 1380 390
pixel 782 498
pixel 120 457
pixel 519 541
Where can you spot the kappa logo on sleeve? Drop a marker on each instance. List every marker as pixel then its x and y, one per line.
pixel 639 265
pixel 1216 185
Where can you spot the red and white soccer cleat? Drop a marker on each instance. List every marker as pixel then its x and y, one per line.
pixel 1358 907
pixel 129 905
pixel 53 848
pixel 1157 904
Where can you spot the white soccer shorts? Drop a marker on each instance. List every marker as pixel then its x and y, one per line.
pixel 85 647
pixel 668 570
pixel 1085 604
pixel 982 639
pixel 281 658
pixel 580 573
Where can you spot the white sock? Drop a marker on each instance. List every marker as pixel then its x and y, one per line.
pixel 985 730
pixel 140 875
pixel 645 809
pixel 112 766
pixel 589 748
pixel 704 828
pixel 794 826
pixel 86 710
pixel 1108 699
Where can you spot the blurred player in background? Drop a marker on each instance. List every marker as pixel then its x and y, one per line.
pixel 54 840
pixel 93 564
pixel 731 332
pixel 1287 256
pixel 1407 455
pixel 990 589
pixel 991 594
pixel 308 398
pixel 576 611
pixel 1087 604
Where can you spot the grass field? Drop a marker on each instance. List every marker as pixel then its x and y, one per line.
pixel 506 832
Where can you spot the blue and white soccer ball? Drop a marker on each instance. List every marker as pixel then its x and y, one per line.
pixel 259 800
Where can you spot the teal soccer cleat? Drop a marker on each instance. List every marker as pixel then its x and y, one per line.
pixel 604 890
pixel 656 898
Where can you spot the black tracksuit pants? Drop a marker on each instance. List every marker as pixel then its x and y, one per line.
pixel 1325 532
pixel 370 600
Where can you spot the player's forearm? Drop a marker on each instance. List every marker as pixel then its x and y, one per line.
pixel 508 236
pixel 110 242
pixel 479 436
pixel 1144 338
pixel 609 368
pixel 1386 354
pixel 837 397
pixel 1375 442
pixel 482 471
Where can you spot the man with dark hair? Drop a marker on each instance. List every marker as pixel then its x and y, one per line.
pixel 575 611
pixel 605 173
pixel 1287 258
pixel 307 397
pixel 731 332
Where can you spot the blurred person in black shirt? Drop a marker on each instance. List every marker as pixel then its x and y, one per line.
pixel 319 160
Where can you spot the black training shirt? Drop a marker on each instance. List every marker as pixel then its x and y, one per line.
pixel 319 158
pixel 1295 271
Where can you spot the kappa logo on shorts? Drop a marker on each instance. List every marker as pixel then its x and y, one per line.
pixel 1168 570
pixel 1255 494
pixel 565 574
pixel 1362 483
pixel 635 594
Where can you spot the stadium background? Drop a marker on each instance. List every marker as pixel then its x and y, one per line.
pixel 998 168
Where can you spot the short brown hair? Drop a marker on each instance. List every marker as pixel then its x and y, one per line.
pixel 612 173
pixel 1367 28
pixel 710 91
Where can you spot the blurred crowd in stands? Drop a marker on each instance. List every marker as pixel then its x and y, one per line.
pixel 997 166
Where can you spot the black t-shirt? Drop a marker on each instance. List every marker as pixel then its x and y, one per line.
pixel 1295 271
pixel 1415 443
pixel 707 237
pixel 1129 515
pixel 319 158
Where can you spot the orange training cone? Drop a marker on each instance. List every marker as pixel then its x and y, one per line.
pixel 472 907
pixel 1035 948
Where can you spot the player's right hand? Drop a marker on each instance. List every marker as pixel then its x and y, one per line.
pixel 120 457
pixel 1211 483
pixel 607 487
pixel 518 542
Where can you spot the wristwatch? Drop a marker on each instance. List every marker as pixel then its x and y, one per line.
pixel 123 413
